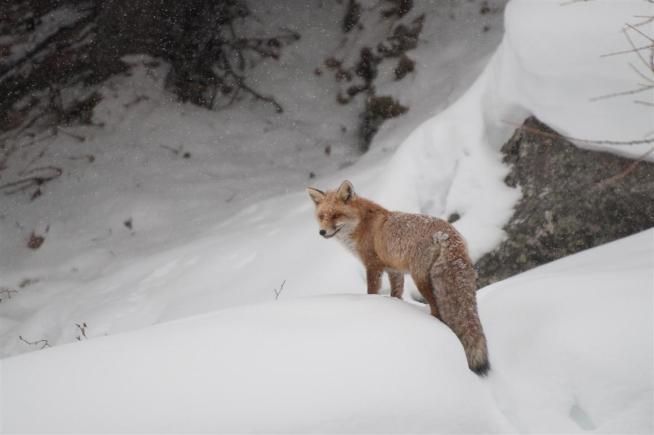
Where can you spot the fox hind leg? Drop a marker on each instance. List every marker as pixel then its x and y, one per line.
pixel 427 291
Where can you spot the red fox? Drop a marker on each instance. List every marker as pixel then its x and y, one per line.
pixel 429 249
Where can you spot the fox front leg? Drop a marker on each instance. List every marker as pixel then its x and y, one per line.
pixel 373 276
pixel 397 283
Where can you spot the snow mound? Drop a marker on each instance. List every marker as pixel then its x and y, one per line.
pixel 570 343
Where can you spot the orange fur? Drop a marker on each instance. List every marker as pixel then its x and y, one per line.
pixel 429 249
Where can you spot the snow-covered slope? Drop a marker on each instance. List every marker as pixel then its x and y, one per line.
pixel 138 235
pixel 180 256
pixel 571 345
pixel 570 342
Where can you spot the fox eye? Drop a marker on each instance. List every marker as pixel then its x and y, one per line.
pixel 321 216
pixel 338 215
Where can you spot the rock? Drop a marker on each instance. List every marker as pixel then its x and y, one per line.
pixel 572 199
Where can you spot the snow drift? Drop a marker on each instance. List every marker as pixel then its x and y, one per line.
pixel 570 342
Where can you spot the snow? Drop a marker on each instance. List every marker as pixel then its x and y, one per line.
pixel 221 231
pixel 583 328
pixel 571 346
pixel 198 225
pixel 561 97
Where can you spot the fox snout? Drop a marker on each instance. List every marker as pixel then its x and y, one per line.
pixel 331 233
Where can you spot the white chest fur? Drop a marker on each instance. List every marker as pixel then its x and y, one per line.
pixel 345 237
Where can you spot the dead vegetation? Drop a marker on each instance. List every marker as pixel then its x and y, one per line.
pixel 358 77
pixel 6 293
pixel 32 180
pixel 205 42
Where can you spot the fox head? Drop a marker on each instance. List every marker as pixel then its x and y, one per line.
pixel 335 210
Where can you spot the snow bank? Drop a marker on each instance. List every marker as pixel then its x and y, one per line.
pixel 549 65
pixel 558 74
pixel 570 342
pixel 323 364
pixel 573 340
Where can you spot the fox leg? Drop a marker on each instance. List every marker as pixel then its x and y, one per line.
pixel 427 291
pixel 454 288
pixel 373 276
pixel 397 283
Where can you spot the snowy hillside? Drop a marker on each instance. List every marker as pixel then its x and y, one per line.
pixel 162 225
pixel 140 227
pixel 571 345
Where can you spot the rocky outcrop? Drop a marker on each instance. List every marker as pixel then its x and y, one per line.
pixel 572 199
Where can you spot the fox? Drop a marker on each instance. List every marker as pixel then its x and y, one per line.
pixel 429 249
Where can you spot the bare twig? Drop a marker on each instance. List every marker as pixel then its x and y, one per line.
pixel 82 329
pixel 619 94
pixel 648 75
pixel 576 139
pixel 633 50
pixel 48 173
pixel 279 292
pixel 633 46
pixel 43 343
pixel 646 20
pixel 628 170
pixel 631 26
pixel 77 137
pixel 32 161
pixel 643 76
pixel 267 99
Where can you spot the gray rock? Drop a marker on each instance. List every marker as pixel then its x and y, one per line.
pixel 572 199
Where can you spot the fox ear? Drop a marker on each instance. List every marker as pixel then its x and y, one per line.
pixel 345 191
pixel 316 195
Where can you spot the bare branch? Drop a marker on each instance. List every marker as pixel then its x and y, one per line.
pixel 641 32
pixel 616 53
pixel 647 20
pixel 643 76
pixel 576 139
pixel 633 46
pixel 628 170
pixel 48 173
pixel 619 94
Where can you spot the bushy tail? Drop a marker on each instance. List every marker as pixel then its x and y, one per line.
pixel 476 352
pixel 454 283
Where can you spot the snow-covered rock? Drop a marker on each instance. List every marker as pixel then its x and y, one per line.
pixel 572 199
